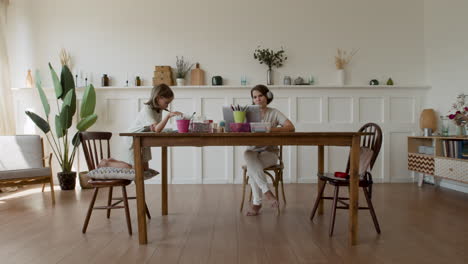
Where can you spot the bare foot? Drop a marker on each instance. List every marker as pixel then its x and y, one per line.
pixel 254 210
pixel 271 197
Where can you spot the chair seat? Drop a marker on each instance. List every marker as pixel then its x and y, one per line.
pixel 25 173
pixel 274 167
pixel 107 183
pixel 330 177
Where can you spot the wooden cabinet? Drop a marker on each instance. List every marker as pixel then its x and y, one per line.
pixel 426 155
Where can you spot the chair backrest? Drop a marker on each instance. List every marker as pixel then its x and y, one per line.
pixel 93 152
pixel 21 152
pixel 373 142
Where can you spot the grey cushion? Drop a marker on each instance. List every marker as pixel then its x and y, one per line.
pixel 111 173
pixel 20 152
pixel 26 173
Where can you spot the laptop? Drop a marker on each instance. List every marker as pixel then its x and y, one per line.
pixel 252 115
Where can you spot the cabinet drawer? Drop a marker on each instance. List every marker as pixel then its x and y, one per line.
pixel 453 169
pixel 421 163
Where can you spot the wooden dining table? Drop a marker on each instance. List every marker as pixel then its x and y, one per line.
pixel 321 139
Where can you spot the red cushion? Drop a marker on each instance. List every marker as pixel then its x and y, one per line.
pixel 340 174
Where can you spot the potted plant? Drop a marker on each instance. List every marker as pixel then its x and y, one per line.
pixel 64 149
pixel 342 59
pixel 270 58
pixel 182 68
pixel 459 114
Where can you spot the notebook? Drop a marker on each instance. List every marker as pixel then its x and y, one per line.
pixel 252 115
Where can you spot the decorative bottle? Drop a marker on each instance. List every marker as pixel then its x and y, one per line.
pixel 29 80
pixel 104 80
pixel 137 81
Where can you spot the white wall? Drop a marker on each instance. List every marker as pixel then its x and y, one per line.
pixel 446 47
pixel 120 36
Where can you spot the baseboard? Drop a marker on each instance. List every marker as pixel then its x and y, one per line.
pixel 452 185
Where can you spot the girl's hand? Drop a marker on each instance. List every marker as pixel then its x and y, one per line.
pixel 175 113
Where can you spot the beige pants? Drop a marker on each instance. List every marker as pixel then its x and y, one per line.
pixel 256 162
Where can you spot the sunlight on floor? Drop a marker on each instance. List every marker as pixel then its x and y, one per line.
pixel 25 192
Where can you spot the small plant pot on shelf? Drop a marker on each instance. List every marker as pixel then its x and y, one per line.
pixel 180 82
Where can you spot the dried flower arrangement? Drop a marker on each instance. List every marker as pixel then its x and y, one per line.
pixel 65 58
pixel 459 111
pixel 182 67
pixel 270 57
pixel 343 58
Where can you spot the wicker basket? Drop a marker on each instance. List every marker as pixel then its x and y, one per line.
pixel 84 180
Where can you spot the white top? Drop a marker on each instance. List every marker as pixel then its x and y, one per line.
pixel 275 118
pixel 146 117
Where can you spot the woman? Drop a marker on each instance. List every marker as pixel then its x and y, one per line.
pixel 260 157
pixel 149 119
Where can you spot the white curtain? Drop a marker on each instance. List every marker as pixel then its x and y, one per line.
pixel 7 121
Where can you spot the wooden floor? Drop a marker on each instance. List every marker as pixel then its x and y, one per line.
pixel 427 225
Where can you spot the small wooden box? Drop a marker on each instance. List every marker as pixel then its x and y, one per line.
pixel 162 74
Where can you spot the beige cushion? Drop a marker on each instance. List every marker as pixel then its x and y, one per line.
pixel 365 159
pixel 110 173
pixel 20 152
pixel 26 173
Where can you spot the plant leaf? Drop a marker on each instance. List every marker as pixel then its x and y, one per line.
pixel 66 80
pixel 58 126
pixel 86 122
pixel 70 100
pixel 57 85
pixel 42 95
pixel 88 102
pixel 65 118
pixel 76 139
pixel 39 121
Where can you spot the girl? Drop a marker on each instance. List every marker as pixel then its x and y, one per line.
pixel 260 157
pixel 149 119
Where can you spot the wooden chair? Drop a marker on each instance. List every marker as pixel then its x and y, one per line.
pixel 22 162
pixel 373 142
pixel 94 154
pixel 277 178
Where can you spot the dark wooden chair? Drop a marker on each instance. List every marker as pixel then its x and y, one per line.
pixel 373 142
pixel 94 152
pixel 277 178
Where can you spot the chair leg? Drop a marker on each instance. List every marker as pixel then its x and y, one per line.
pixel 370 191
pixel 52 192
pixel 244 183
pixel 317 201
pixel 282 187
pixel 333 212
pixel 147 211
pixel 371 209
pixel 109 201
pixel 127 211
pixel 276 185
pixel 90 210
pixel 43 187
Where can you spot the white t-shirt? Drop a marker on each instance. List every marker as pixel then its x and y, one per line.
pixel 146 117
pixel 275 118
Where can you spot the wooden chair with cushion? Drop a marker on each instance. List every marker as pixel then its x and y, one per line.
pixel 96 147
pixel 22 162
pixel 277 178
pixel 370 148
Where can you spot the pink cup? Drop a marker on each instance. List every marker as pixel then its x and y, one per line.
pixel 183 126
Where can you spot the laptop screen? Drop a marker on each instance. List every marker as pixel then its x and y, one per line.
pixel 252 115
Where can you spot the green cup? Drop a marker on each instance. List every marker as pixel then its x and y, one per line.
pixel 239 116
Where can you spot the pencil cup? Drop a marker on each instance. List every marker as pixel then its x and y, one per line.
pixel 183 126
pixel 239 116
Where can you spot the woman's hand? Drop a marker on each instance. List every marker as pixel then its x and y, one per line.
pixel 175 113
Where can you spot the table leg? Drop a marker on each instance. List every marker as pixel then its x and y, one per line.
pixel 321 169
pixel 140 192
pixel 354 190
pixel 164 202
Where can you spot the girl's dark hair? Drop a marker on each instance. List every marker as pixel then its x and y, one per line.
pixel 161 90
pixel 263 90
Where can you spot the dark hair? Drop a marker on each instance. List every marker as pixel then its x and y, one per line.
pixel 161 90
pixel 263 90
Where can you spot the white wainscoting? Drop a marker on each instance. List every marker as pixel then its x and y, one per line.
pixel 311 108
